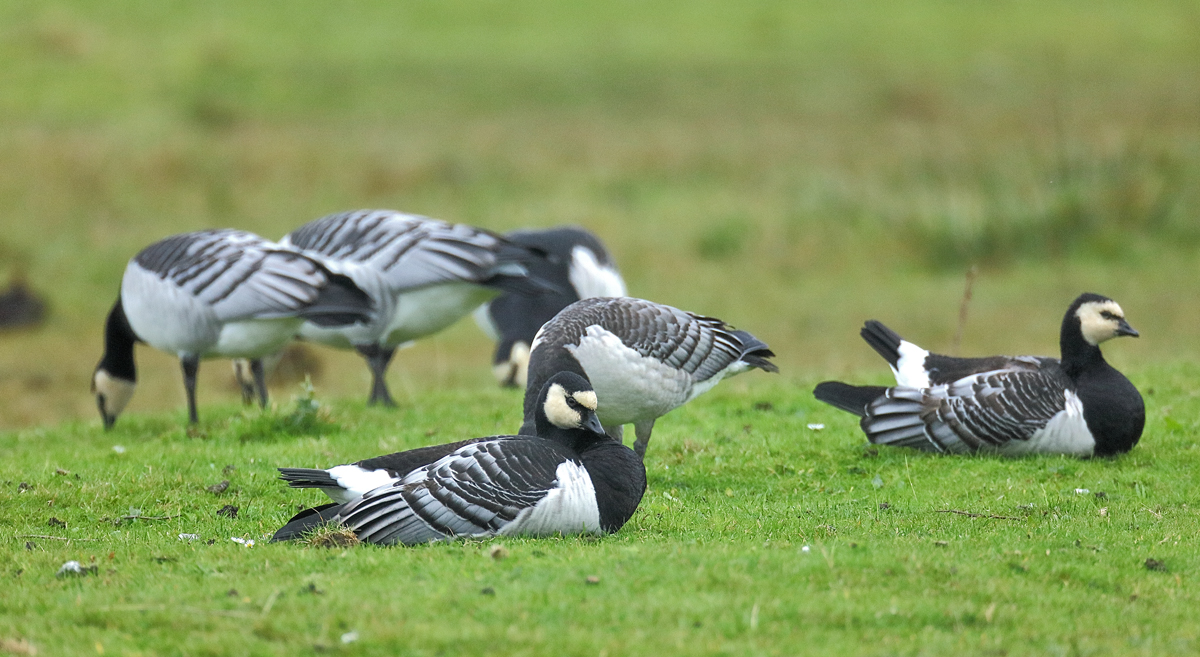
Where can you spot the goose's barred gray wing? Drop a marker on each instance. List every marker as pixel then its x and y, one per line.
pixel 984 411
pixel 701 346
pixel 411 250
pixel 241 276
pixel 475 491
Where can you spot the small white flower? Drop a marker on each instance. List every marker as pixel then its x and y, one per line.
pixel 350 637
pixel 189 537
pixel 120 449
pixel 815 426
pixel 804 549
pixel 247 543
pixel 1082 491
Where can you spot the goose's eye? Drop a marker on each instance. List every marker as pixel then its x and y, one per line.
pixel 1107 315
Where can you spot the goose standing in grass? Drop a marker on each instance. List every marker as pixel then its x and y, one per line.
pixel 571 478
pixel 216 293
pixel 577 262
pixel 645 359
pixel 422 275
pixel 1079 405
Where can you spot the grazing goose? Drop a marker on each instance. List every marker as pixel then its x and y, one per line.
pixel 644 359
pixel 571 478
pixel 1078 405
pixel 422 275
pixel 577 262
pixel 215 293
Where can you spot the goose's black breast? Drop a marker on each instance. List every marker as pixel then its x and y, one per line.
pixel 1113 408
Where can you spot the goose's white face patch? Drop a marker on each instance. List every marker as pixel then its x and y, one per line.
pixel 558 411
pixel 1099 320
pixel 112 392
pixel 586 399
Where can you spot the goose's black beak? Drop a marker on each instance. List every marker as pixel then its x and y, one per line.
pixel 1123 328
pixel 592 423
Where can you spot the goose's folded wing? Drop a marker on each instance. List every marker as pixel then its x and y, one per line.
pixel 473 492
pixel 700 346
pixel 943 370
pixel 982 411
pixel 401 463
pixel 411 251
pixel 237 274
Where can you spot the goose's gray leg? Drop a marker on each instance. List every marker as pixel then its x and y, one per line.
pixel 378 359
pixel 642 430
pixel 260 381
pixel 245 381
pixel 190 364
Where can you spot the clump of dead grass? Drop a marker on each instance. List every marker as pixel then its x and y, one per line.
pixel 332 536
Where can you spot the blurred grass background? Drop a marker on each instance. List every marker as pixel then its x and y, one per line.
pixel 794 168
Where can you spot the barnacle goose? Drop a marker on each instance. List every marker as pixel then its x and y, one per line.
pixel 570 478
pixel 215 293
pixel 577 262
pixel 644 359
pixel 421 273
pixel 1078 405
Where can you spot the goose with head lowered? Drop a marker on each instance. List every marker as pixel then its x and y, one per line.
pixel 216 293
pixel 569 479
pixel 1077 405
pixel 422 275
pixel 577 262
pixel 645 359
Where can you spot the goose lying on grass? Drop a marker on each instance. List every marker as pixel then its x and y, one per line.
pixel 1079 405
pixel 571 478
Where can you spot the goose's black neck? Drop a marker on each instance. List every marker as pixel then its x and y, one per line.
pixel 543 364
pixel 576 440
pixel 1078 355
pixel 1112 407
pixel 119 339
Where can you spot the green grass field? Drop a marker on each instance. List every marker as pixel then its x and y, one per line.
pixel 757 536
pixel 794 168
